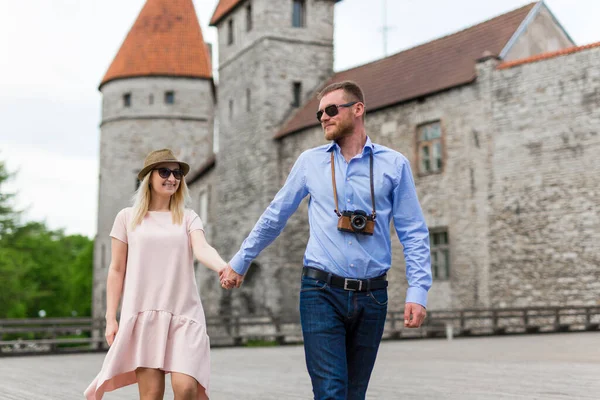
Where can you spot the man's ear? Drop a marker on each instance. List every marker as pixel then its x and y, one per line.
pixel 360 110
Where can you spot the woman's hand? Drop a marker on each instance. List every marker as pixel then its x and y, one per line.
pixel 112 327
pixel 229 278
pixel 224 282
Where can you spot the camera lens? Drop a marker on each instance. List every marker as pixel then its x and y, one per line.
pixel 358 222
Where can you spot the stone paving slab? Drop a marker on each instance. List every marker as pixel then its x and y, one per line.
pixel 544 367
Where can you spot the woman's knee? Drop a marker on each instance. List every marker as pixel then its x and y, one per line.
pixel 151 383
pixel 186 392
pixel 184 387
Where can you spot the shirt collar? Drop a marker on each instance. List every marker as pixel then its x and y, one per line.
pixel 368 145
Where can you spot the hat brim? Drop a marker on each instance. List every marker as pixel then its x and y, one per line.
pixel 184 167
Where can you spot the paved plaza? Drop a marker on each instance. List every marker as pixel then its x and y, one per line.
pixel 545 367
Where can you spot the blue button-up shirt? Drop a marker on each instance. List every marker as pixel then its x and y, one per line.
pixel 346 254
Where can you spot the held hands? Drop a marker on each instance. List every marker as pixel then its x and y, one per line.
pixel 414 315
pixel 229 278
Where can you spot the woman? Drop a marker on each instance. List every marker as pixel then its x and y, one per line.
pixel 162 326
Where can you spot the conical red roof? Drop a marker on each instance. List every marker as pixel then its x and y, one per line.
pixel 165 40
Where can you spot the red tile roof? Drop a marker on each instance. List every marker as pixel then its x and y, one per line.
pixel 165 40
pixel 223 8
pixel 545 56
pixel 429 68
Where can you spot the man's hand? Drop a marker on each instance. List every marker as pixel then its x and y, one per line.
pixel 229 278
pixel 414 315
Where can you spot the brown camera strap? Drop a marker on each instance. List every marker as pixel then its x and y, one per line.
pixel 335 190
pixel 333 183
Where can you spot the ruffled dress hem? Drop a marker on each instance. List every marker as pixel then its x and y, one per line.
pixel 155 339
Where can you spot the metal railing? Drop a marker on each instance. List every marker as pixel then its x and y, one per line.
pixel 59 335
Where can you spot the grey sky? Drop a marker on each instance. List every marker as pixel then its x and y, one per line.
pixel 55 52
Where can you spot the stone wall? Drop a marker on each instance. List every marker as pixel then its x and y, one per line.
pixel 545 225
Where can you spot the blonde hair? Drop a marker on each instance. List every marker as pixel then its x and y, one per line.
pixel 143 195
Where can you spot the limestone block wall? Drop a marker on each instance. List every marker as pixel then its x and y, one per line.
pixel 545 224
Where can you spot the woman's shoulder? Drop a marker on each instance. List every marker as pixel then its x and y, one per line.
pixel 125 211
pixel 189 213
pixel 125 214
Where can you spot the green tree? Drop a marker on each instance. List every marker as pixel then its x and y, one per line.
pixel 61 268
pixel 16 291
pixel 41 268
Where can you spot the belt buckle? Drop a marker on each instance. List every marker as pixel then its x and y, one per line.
pixel 346 280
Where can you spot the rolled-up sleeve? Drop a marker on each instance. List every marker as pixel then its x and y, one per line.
pixel 273 220
pixel 413 233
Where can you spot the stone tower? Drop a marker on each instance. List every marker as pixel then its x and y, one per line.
pixel 158 92
pixel 273 55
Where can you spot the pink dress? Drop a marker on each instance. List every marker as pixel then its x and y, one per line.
pixel 162 323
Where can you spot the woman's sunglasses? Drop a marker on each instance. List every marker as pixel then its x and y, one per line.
pixel 166 172
pixel 332 110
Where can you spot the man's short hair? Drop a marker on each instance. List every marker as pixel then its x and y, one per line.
pixel 351 89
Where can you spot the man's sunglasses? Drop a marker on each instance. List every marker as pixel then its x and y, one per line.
pixel 166 172
pixel 333 109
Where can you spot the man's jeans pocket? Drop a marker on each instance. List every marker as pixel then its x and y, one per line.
pixel 379 297
pixel 310 284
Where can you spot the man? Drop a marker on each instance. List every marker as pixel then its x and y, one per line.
pixel 343 296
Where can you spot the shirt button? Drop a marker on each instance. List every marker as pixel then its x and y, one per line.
pixel 348 200
pixel 352 265
pixel 347 179
pixel 349 242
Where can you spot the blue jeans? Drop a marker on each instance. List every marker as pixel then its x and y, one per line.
pixel 342 331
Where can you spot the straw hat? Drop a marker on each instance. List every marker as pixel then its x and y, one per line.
pixel 158 157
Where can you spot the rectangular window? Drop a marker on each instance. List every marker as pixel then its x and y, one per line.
pixel 299 14
pixel 127 100
pixel 170 97
pixel 230 32
pixel 429 147
pixel 440 256
pixel 297 92
pixel 248 99
pixel 248 17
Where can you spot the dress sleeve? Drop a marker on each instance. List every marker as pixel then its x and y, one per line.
pixel 195 223
pixel 119 229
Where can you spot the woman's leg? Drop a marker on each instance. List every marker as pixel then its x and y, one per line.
pixel 184 387
pixel 151 383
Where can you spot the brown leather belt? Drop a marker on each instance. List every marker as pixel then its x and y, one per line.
pixel 354 285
